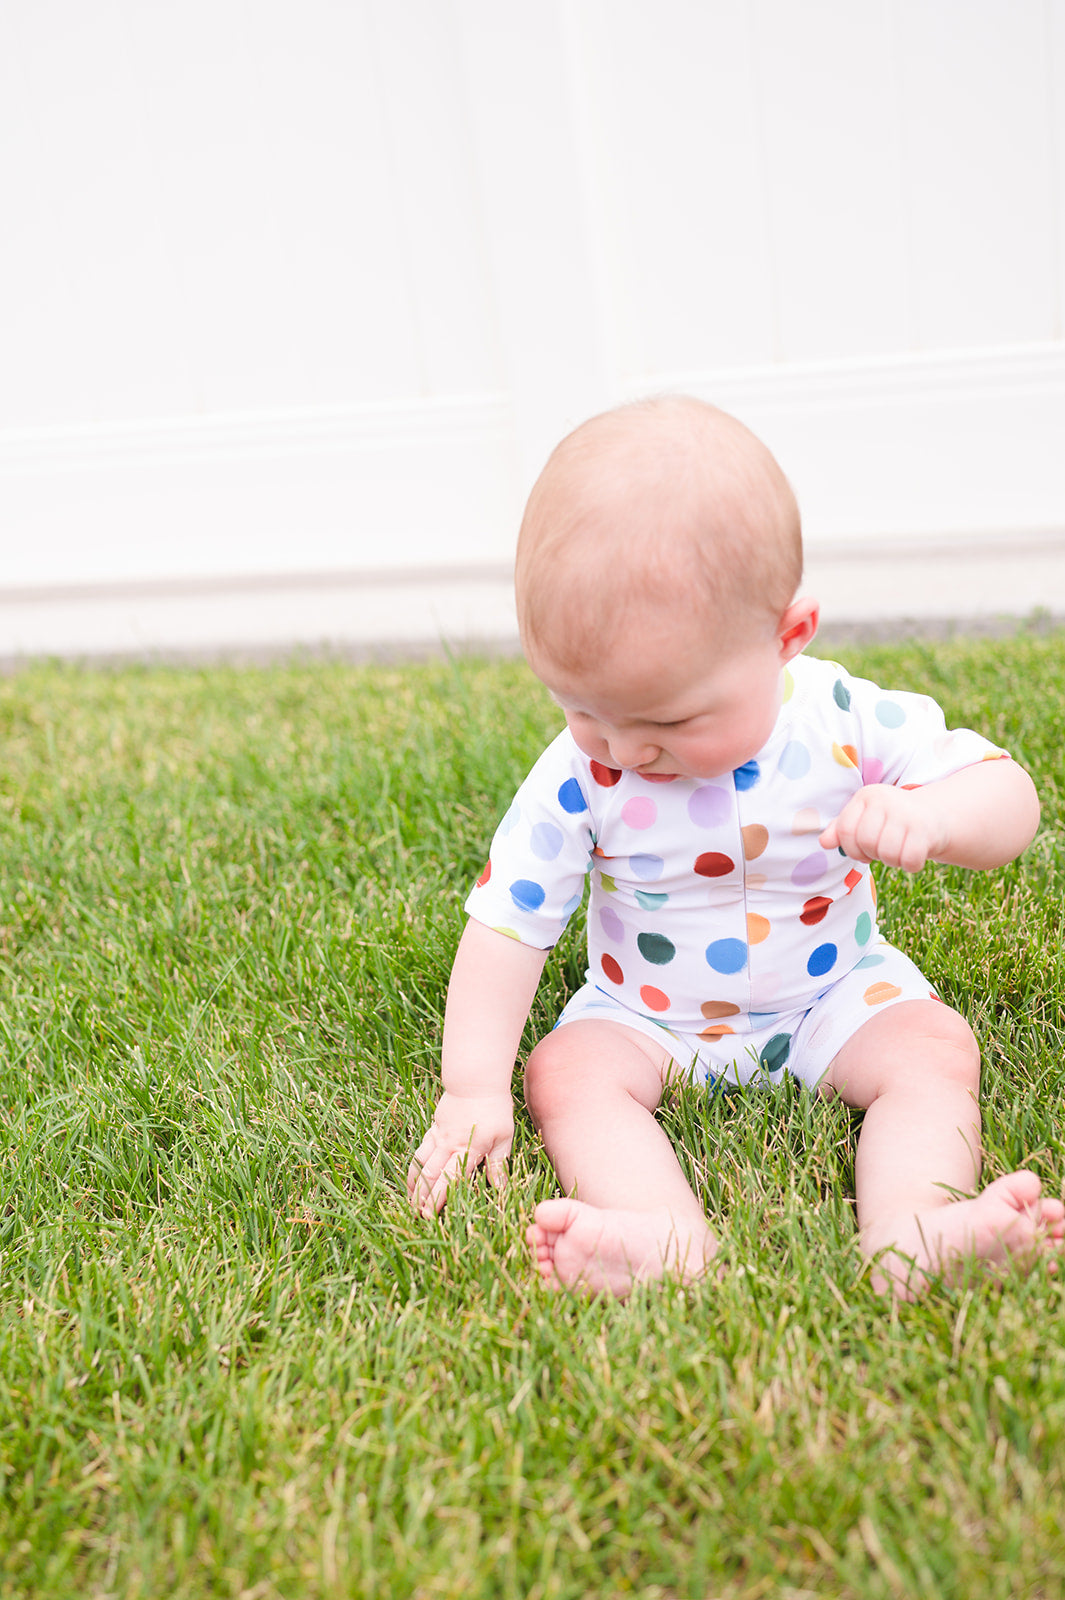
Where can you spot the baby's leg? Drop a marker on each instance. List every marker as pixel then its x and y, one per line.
pixel 592 1088
pixel 915 1069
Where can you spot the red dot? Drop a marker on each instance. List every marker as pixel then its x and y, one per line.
pixel 712 864
pixel 612 970
pixel 485 875
pixel 814 910
pixel 654 999
pixel 853 879
pixel 605 777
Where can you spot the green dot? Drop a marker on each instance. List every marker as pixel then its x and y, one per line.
pixel 863 928
pixel 656 948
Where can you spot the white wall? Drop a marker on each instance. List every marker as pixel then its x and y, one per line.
pixel 313 285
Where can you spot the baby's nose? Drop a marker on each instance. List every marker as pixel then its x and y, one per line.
pixel 630 750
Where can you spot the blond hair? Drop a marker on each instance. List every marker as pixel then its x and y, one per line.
pixel 666 504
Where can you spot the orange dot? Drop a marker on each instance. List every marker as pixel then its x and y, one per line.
pixel 612 970
pixel 717 1031
pixel 718 1008
pixel 877 993
pixel 758 928
pixel 654 999
pixel 755 839
pixel 845 754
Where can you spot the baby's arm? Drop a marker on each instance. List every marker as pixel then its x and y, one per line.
pixel 492 985
pixel 981 816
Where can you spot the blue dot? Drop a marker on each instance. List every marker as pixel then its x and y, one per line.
pixel 822 960
pixel 794 760
pixel 571 905
pixel 511 820
pixel 747 776
pixel 546 841
pixel 526 895
pixel 890 714
pixel 570 797
pixel 727 955
pixel 646 867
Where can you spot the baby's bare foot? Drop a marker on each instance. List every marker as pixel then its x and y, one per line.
pixel 1008 1223
pixel 596 1251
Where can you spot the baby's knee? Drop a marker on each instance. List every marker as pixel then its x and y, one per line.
pixel 547 1079
pixel 950 1046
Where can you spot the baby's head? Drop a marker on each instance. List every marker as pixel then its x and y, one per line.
pixel 658 514
pixel 656 573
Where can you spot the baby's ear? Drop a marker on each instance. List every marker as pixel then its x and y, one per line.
pixel 797 626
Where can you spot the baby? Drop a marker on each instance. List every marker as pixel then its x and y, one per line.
pixel 725 795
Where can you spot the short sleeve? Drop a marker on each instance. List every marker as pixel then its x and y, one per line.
pixel 541 853
pixel 903 739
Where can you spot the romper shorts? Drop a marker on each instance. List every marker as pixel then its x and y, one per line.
pixel 761 1046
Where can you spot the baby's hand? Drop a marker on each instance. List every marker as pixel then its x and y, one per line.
pixel 466 1130
pixel 900 827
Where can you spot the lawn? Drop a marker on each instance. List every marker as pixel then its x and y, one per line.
pixel 234 1363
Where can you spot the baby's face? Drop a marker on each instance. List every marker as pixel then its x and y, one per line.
pixel 672 707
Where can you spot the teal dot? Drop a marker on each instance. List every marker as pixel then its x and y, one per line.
pixel 863 928
pixel 870 961
pixel 841 695
pixel 775 1052
pixel 656 948
pixel 890 714
pixel 648 901
pixel 727 955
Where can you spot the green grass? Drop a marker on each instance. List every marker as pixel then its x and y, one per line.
pixel 232 1361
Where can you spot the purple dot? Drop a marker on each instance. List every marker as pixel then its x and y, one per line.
pixel 612 924
pixel 545 841
pixel 810 868
pixel 646 867
pixel 709 806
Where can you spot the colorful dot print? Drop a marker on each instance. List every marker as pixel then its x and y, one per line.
pixel 775 1052
pixel 653 998
pixel 727 955
pixel 570 797
pixel 646 867
pixel 605 777
pixel 546 841
pixel 712 903
pixel 755 837
pixel 822 960
pixel 527 895
pixel 710 806
pixel 648 900
pixel 794 760
pixel 714 864
pixel 639 812
pixel 656 948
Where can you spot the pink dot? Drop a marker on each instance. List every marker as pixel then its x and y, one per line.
pixel 872 770
pixel 639 812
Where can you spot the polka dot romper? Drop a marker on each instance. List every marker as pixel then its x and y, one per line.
pixel 713 906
